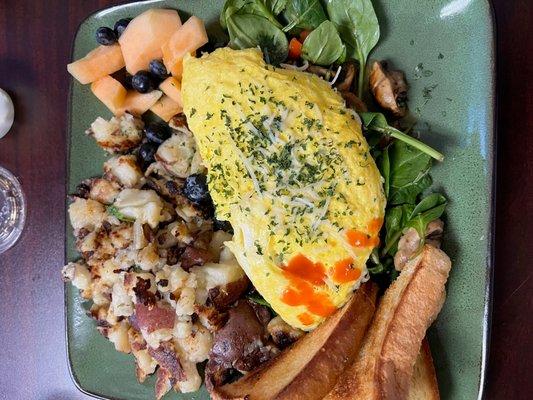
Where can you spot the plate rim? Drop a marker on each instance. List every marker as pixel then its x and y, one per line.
pixel 490 254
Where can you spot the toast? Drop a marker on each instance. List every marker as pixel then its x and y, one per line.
pixel 310 367
pixel 384 367
pixel 424 381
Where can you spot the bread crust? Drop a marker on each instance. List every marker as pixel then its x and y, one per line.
pixel 424 384
pixel 311 366
pixel 385 364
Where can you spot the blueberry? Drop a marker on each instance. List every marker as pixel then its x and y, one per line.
pixel 222 226
pixel 127 81
pixel 195 189
pixel 106 36
pixel 157 132
pixel 158 69
pixel 120 26
pixel 207 208
pixel 211 46
pixel 142 82
pixel 147 154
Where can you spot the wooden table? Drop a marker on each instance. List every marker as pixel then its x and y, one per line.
pixel 35 44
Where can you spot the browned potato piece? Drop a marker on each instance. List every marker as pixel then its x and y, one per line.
pixel 310 367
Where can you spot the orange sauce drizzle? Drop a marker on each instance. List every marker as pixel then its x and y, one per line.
pixel 344 271
pixel 302 274
pixel 361 239
pixel 302 267
pixel 375 225
pixel 305 318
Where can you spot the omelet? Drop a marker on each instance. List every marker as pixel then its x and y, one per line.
pixel 289 168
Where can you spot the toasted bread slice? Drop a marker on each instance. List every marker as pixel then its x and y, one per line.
pixel 384 366
pixel 424 381
pixel 310 367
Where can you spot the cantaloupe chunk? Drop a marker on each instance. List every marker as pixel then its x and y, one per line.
pixel 172 88
pixel 187 39
pixel 110 92
pixel 166 108
pixel 142 40
pixel 138 103
pixel 102 61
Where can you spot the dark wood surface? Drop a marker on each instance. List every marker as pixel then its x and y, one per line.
pixel 35 43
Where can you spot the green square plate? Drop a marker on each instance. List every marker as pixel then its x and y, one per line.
pixel 446 48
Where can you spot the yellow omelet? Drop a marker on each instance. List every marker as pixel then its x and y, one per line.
pixel 288 166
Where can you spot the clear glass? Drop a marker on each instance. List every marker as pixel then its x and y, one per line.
pixel 12 210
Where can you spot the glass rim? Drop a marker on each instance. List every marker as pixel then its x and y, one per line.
pixel 19 205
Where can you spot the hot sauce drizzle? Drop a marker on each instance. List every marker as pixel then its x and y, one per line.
pixel 302 267
pixel 305 318
pixel 361 239
pixel 302 274
pixel 344 271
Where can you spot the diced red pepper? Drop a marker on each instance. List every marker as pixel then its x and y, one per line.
pixel 303 35
pixel 295 49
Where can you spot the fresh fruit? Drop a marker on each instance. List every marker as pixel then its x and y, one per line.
pixel 120 26
pixel 187 39
pixel 158 69
pixel 157 133
pixel 195 188
pixel 166 108
pixel 138 103
pixel 147 154
pixel 310 367
pixel 172 88
pixel 102 61
pixel 127 82
pixel 110 92
pixel 141 41
pixel 106 36
pixel 142 82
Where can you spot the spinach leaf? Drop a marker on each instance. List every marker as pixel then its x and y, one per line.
pixel 323 46
pixel 377 122
pixel 303 14
pixel 276 6
pixel 114 211
pixel 250 30
pixel 396 218
pixel 400 218
pixel 258 299
pixel 429 209
pixel 358 26
pixel 409 173
pixel 254 7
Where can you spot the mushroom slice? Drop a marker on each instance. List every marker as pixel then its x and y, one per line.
pixel 389 88
pixel 354 102
pixel 347 76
